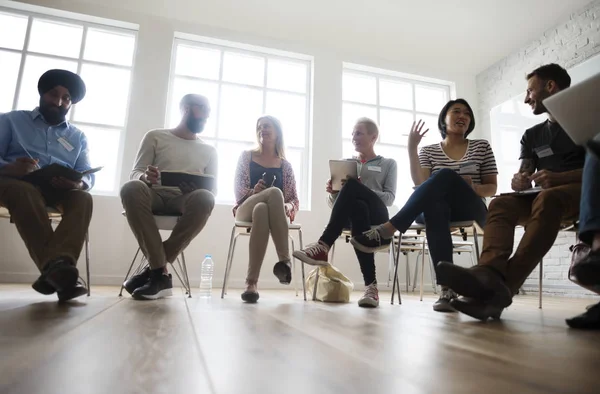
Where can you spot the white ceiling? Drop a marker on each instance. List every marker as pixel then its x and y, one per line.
pixel 467 36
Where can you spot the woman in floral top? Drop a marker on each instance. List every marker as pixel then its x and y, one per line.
pixel 265 191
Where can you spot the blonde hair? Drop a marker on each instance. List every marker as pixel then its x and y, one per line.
pixel 370 124
pixel 279 145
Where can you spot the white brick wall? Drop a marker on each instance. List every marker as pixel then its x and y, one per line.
pixel 568 44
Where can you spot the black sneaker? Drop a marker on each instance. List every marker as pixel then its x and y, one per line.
pixel 587 272
pixel 42 286
pixel 443 303
pixel 370 241
pixel 283 272
pixel 589 320
pixel 137 281
pixel 73 292
pixel 60 273
pixel 158 286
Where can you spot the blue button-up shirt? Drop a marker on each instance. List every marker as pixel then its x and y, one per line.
pixel 23 132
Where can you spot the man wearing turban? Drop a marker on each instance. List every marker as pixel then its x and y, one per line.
pixel 30 140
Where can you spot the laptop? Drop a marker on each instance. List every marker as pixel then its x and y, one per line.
pixel 577 109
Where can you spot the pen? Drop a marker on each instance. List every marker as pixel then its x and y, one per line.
pixel 31 157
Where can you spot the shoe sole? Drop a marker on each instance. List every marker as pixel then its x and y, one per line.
pixel 462 281
pixel 161 294
pixel 283 272
pixel 476 313
pixel 368 304
pixel 42 288
pixel 250 298
pixel 63 278
pixel 308 260
pixel 443 308
pixel 78 293
pixel 366 249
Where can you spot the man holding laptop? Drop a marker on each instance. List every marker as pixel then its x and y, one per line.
pixel 32 140
pixel 165 151
pixel 551 160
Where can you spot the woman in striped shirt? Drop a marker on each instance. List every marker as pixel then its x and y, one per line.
pixel 453 178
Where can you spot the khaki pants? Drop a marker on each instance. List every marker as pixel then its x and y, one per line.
pixel 266 212
pixel 541 215
pixel 27 207
pixel 141 203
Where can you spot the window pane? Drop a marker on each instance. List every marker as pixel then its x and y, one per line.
pixel 350 114
pixel 109 47
pixel 35 66
pixel 228 152
pixel 348 149
pixel 183 86
pixel 430 99
pixel 12 30
pixel 285 75
pixel 433 136
pixel 395 94
pixel 104 151
pixel 55 38
pixel 404 184
pixel 107 95
pixel 395 126
pixel 294 156
pixel 290 109
pixel 197 62
pixel 359 88
pixel 9 72
pixel 244 69
pixel 240 108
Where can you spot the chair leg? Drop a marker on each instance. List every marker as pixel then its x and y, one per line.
pixel 422 270
pixel 302 265
pixel 129 271
pixel 433 276
pixel 332 253
pixel 294 266
pixel 541 279
pixel 476 243
pixel 396 281
pixel 414 284
pixel 181 279
pixel 227 261
pixel 87 262
pixel 185 274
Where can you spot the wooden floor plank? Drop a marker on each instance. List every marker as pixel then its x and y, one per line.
pixel 282 344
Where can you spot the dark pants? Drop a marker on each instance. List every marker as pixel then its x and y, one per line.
pixel 360 206
pixel 589 211
pixel 445 197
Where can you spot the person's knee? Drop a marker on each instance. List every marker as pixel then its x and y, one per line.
pixel 20 189
pixel 547 201
pixel 274 195
pixel 202 199
pixel 502 204
pixel 446 172
pixel 133 188
pixel 82 199
pixel 260 211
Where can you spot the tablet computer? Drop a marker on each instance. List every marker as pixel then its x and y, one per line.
pixel 175 178
pixel 340 170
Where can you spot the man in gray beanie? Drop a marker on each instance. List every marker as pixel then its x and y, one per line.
pixel 30 140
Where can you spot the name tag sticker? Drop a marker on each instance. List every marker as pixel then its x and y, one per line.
pixel 65 144
pixel 544 151
pixel 467 167
pixel 374 168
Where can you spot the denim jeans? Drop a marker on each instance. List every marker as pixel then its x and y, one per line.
pixel 445 197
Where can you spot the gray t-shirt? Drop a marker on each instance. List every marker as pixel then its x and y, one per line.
pixel 378 174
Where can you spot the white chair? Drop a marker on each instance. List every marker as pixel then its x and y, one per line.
pixel 346 236
pixel 409 243
pixel 55 216
pixel 166 223
pixel 245 228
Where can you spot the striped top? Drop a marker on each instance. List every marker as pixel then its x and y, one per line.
pixel 478 160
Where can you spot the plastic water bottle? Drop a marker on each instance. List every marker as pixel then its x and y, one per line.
pixel 206 276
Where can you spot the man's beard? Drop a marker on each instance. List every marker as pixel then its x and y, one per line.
pixel 196 125
pixel 52 114
pixel 539 107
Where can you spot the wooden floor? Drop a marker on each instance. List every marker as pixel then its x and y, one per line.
pixel 104 344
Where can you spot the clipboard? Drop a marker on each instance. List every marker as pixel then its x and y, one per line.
pixel 176 178
pixel 340 170
pixel 44 175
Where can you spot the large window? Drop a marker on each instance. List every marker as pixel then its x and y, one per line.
pixel 509 121
pixel 242 84
pixel 31 44
pixel 394 102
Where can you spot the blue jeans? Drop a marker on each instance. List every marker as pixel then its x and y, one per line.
pixel 445 197
pixel 589 209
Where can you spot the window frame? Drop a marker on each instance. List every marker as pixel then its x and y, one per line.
pixel 86 23
pixel 303 180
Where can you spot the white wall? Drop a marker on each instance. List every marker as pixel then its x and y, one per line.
pixel 575 44
pixel 113 246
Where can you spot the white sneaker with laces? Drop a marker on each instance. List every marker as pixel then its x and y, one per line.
pixel 371 297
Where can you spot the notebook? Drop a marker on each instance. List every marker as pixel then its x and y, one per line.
pixel 176 178
pixel 533 190
pixel 44 175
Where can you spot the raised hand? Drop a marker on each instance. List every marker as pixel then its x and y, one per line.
pixel 416 134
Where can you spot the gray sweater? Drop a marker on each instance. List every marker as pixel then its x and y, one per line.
pixel 378 174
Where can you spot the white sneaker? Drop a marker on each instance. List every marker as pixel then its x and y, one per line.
pixel 371 297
